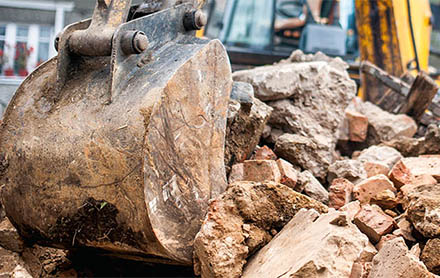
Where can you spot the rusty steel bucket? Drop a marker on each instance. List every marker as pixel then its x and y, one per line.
pixel 118 145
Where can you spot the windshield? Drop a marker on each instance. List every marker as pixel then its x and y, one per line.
pixel 250 23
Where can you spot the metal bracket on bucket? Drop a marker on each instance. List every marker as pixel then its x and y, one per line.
pixel 109 34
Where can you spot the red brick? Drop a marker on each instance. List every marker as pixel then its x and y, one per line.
pixel 261 170
pixel 375 168
pixel 357 126
pixel 368 188
pixel 289 175
pixel 264 153
pixel 400 175
pixel 373 222
pixel 340 193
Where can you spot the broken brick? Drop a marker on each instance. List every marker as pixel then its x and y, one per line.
pixel 373 222
pixel 357 126
pixel 375 168
pixel 261 170
pixel 369 188
pixel 264 153
pixel 340 193
pixel 400 175
pixel 289 175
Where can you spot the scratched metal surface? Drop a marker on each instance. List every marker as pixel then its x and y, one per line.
pixel 131 176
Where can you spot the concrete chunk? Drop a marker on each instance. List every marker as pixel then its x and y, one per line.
pixel 241 220
pixel 382 154
pixel 424 209
pixel 317 249
pixel 431 255
pixel 352 170
pixel 312 187
pixel 395 261
pixel 384 126
pixel 305 152
pixel 244 130
pixel 300 94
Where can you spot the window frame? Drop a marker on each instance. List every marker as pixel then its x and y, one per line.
pixel 33 41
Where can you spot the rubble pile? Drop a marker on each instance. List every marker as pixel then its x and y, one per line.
pixel 359 160
pixel 301 126
pixel 320 184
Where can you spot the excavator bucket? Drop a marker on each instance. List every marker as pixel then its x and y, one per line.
pixel 117 143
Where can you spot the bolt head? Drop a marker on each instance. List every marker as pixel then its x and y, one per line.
pixel 200 19
pixel 140 42
pixel 194 20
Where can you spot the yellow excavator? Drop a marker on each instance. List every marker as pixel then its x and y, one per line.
pixel 100 146
pixel 392 34
pixel 386 43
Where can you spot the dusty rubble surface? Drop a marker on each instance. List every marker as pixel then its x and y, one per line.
pixel 320 184
pixel 394 260
pixel 247 117
pixel 242 220
pixel 424 209
pixel 311 246
pixel 300 94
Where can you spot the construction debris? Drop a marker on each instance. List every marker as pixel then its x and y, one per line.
pixel 300 102
pixel 320 247
pixel 380 154
pixel 373 222
pixel 240 221
pixel 423 209
pixel 394 260
pixel 294 139
pixel 369 188
pixel 340 193
pixel 352 170
pixel 431 255
pixel 247 118
pixel 312 187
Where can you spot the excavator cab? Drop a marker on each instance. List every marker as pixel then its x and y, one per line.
pixel 263 32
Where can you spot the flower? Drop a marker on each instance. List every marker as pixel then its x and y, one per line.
pixel 22 54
